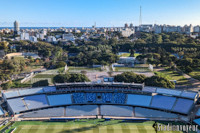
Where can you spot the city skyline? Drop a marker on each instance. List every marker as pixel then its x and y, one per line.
pixel 110 13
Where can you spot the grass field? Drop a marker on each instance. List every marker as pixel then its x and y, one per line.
pixel 84 126
pixel 79 69
pixel 134 69
pixel 195 74
pixel 128 54
pixel 173 75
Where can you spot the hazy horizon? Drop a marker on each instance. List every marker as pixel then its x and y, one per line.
pixel 106 13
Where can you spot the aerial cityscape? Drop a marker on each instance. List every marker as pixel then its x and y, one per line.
pixel 110 66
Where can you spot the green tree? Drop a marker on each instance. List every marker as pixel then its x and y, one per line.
pixel 69 78
pixel 132 53
pixel 7 85
pixel 159 81
pixel 129 77
pixel 61 64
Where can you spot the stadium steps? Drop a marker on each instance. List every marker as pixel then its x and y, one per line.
pixel 25 104
pixel 99 110
pixel 65 108
pixel 126 98
pixel 174 104
pixel 151 101
pixel 71 95
pixel 18 92
pixel 47 100
pixel 133 111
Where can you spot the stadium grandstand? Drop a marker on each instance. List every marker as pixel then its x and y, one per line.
pixel 102 100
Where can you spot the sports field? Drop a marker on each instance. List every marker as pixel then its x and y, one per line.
pixel 83 126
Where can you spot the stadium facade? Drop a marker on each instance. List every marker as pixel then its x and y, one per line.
pixel 104 100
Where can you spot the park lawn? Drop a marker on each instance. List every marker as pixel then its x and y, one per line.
pixel 40 77
pixel 84 126
pixel 131 69
pixel 79 69
pixel 195 74
pixel 31 68
pixel 173 75
pixel 128 54
pixel 54 71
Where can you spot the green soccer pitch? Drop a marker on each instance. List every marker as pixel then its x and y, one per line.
pixel 84 126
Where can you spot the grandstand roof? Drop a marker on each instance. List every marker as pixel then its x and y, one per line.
pixel 16 104
pixel 163 102
pixel 198 112
pixel 9 94
pixel 35 101
pixel 169 91
pixel 62 99
pixel 144 112
pixel 197 121
pixel 183 105
pixel 31 91
pixel 121 84
pixel 188 94
pixel 139 100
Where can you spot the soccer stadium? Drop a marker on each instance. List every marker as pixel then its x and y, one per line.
pixel 94 103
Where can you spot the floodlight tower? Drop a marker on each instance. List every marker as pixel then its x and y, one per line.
pixel 140 20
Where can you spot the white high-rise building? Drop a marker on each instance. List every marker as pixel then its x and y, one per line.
pixel 127 32
pixel 33 39
pixel 197 29
pixel 24 36
pixel 68 37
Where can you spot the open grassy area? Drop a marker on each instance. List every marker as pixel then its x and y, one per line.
pixel 84 126
pixel 173 75
pixel 79 69
pixel 128 54
pixel 195 74
pixel 40 77
pixel 134 69
pixel 54 71
pixel 31 68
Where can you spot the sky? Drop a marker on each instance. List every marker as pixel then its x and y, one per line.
pixel 106 13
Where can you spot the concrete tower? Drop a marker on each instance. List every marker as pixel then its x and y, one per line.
pixel 126 25
pixel 16 27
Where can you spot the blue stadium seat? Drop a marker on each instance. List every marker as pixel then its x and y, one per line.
pixel 119 98
pixel 183 105
pixel 91 97
pixel 36 101
pixel 79 97
pixel 163 102
pixel 49 89
pixel 61 99
pixel 107 97
pixel 139 100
